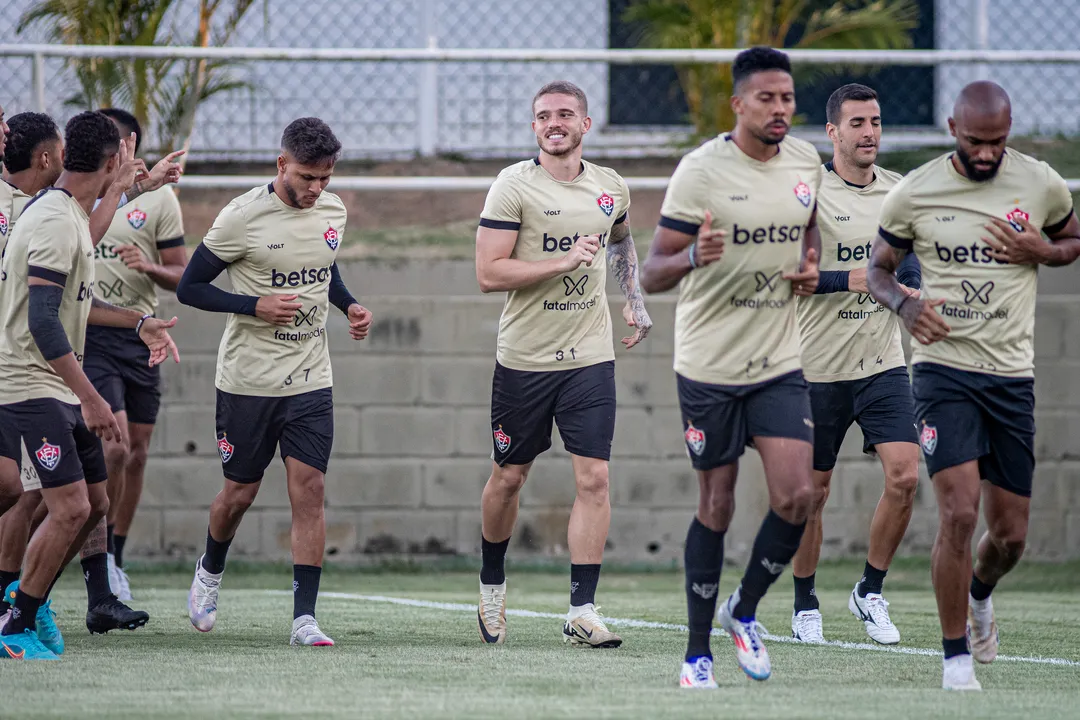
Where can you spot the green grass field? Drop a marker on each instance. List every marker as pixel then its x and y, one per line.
pixel 394 660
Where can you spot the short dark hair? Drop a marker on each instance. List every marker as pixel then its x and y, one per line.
pixel 310 141
pixel 28 131
pixel 851 91
pixel 755 60
pixel 563 87
pixel 90 139
pixel 129 122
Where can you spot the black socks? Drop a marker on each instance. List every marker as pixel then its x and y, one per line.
pixel 703 560
pixel 776 543
pixel 493 571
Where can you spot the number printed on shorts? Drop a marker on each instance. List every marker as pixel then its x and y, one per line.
pixel 560 355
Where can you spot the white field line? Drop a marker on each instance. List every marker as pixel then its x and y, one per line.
pixel 648 624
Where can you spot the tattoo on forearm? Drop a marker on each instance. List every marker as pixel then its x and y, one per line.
pixel 97 542
pixel 623 261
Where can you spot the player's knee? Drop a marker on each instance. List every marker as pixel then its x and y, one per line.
pixel 593 483
pixel 716 507
pixel 99 505
pixel 1010 541
pixel 73 513
pixel 238 497
pixel 902 481
pixel 116 454
pixel 309 488
pixel 508 480
pixel 958 520
pixel 137 455
pixel 794 504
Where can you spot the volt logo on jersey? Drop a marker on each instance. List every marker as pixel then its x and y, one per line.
pixel 332 238
pixel 136 218
pixel 225 448
pixel 977 293
pixel 48 455
pixel 572 286
pixel 606 203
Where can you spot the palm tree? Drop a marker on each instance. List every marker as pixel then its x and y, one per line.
pixel 162 93
pixel 702 24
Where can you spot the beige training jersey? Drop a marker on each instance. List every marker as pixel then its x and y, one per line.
pixel 52 241
pixel 275 249
pixel 12 202
pixel 848 336
pixel 151 223
pixel 735 318
pixel 564 322
pixel 989 306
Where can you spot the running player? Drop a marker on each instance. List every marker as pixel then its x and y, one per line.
pixel 549 230
pixel 143 250
pixel 46 300
pixel 974 218
pixel 855 364
pixel 737 233
pixel 278 244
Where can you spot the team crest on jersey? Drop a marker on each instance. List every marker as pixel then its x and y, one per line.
pixel 502 440
pixel 802 192
pixel 225 448
pixel 136 218
pixel 3 224
pixel 606 203
pixel 695 439
pixel 332 238
pixel 48 455
pixel 1014 218
pixel 928 439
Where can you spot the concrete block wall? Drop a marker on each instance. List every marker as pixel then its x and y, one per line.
pixel 412 441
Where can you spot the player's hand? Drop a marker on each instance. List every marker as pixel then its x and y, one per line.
pixel 166 171
pixel 155 333
pixel 583 251
pixel 359 321
pixel 910 292
pixel 133 258
pixel 709 245
pixel 1025 247
pixel 637 317
pixel 99 417
pixel 130 166
pixel 277 309
pixel 856 281
pixel 805 281
pixel 922 321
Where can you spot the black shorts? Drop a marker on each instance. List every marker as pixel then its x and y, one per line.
pixel 524 403
pixel 60 445
pixel 966 416
pixel 719 421
pixel 881 404
pixel 250 428
pixel 117 362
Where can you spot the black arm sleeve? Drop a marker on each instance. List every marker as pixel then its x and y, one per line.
pixel 832 281
pixel 196 288
pixel 339 294
pixel 44 321
pixel 910 272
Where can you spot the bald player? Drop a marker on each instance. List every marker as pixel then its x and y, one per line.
pixel 975 218
pixel 550 230
pixel 738 235
pixel 853 358
pixel 279 244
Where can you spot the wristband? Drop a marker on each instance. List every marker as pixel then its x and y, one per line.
pixel 693 255
pixel 138 326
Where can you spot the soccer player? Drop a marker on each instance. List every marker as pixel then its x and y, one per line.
pixel 975 217
pixel 143 250
pixel 854 362
pixel 548 232
pixel 278 244
pixel 46 300
pixel 737 233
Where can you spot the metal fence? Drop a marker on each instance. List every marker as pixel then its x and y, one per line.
pixel 386 108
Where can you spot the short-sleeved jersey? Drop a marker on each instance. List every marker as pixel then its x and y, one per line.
pixel 52 238
pixel 735 318
pixel 151 223
pixel 12 202
pixel 989 305
pixel 275 249
pixel 848 336
pixel 564 322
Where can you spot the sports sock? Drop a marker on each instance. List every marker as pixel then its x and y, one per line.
pixel 109 539
pixel 6 578
pixel 52 584
pixel 23 614
pixel 118 553
pixel 213 560
pixel 980 590
pixel 305 587
pixel 805 594
pixel 954 647
pixel 583 579
pixel 872 580
pixel 703 559
pixel 96 574
pixel 775 545
pixel 493 571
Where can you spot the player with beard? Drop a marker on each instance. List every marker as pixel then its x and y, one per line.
pixel 550 230
pixel 853 359
pixel 738 235
pixel 274 381
pixel 975 218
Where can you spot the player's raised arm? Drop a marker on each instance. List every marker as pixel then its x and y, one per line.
pixel 623 263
